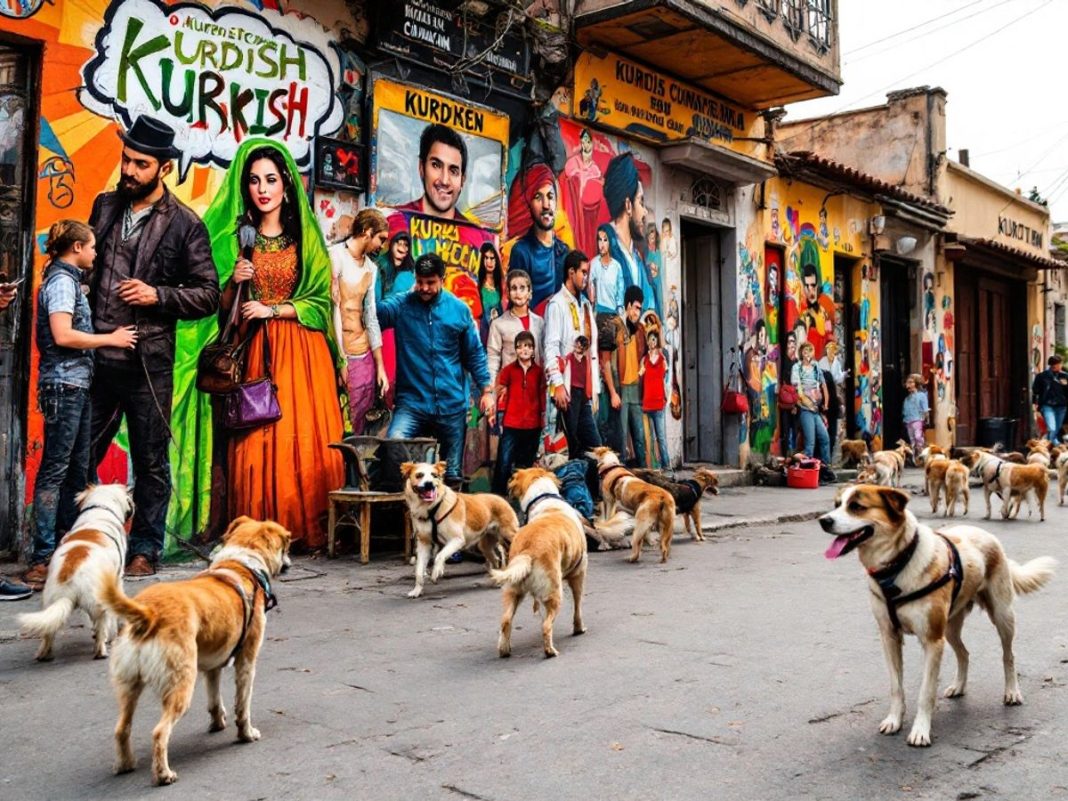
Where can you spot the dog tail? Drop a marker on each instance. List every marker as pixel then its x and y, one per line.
pixel 517 571
pixel 139 616
pixel 666 515
pixel 618 525
pixel 48 621
pixel 1032 576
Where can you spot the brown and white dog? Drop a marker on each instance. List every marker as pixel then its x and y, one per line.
pixel 1011 482
pixel 653 507
pixel 94 547
pixel 1038 452
pixel 549 550
pixel 454 520
pixel 925 583
pixel 687 494
pixel 175 629
pixel 890 463
pixel 928 453
pixel 1062 476
pixel 854 452
pixel 934 473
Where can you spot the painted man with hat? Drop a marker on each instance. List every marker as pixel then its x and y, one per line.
pixel 153 268
pixel 540 253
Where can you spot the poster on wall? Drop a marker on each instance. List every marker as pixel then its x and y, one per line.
pixel 216 77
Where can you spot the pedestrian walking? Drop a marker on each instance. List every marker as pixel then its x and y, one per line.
pixel 65 341
pixel 1049 393
pixel 653 374
pixel 521 394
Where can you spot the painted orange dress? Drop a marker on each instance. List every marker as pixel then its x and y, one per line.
pixel 285 471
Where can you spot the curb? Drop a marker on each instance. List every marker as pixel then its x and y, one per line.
pixel 770 520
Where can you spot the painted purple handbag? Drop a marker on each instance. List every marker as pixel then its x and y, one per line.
pixel 254 403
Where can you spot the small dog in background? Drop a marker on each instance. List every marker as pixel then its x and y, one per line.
pixel 94 547
pixel 956 482
pixel 653 507
pixel 1012 483
pixel 891 463
pixel 855 452
pixel 687 494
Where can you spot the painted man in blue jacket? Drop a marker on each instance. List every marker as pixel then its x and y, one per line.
pixel 437 343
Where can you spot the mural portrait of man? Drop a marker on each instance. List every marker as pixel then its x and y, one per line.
pixel 625 196
pixel 442 170
pixel 539 252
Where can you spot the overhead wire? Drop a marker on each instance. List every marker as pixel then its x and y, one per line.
pixel 915 27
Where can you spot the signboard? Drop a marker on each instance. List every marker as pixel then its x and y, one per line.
pixel 629 97
pixel 216 77
pixel 400 114
pixel 425 32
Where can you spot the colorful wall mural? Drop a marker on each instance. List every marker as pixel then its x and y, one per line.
pixel 790 293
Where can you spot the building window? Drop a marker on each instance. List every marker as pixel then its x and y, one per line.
pixel 770 9
pixel 819 24
pixel 793 17
pixel 704 192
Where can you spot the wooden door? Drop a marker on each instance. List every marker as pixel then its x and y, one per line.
pixel 966 380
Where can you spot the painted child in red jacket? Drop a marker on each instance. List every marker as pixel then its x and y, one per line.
pixel 522 392
pixel 652 375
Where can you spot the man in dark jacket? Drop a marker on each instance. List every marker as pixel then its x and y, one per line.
pixel 1049 393
pixel 153 268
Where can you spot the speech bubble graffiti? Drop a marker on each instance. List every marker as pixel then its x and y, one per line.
pixel 215 77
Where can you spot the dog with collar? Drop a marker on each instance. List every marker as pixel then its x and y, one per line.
pixel 94 547
pixel 178 628
pixel 1011 482
pixel 549 550
pixel 652 506
pixel 925 583
pixel 889 464
pixel 687 493
pixel 454 520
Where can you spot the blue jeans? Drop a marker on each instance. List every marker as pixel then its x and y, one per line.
pixel 518 448
pixel 815 433
pixel 1054 417
pixel 656 425
pixel 447 429
pixel 64 465
pixel 631 420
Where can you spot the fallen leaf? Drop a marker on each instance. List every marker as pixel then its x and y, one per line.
pixel 616 746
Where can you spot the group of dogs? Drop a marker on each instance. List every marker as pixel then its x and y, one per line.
pixel 174 630
pixel 1012 476
pixel 922 582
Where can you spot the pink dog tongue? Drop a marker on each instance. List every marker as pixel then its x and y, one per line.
pixel 836 547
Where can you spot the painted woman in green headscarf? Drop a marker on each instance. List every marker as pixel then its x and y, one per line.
pixel 282 471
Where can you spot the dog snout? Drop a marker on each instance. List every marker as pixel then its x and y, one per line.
pixel 827 523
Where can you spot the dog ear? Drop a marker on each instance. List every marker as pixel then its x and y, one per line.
pixel 406 469
pixel 237 523
pixel 895 501
pixel 440 467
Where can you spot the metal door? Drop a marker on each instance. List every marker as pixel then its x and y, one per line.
pixel 702 349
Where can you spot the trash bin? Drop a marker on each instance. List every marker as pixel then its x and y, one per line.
pixel 994 430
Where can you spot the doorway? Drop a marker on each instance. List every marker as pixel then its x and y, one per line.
pixel 702 318
pixel 896 312
pixel 843 336
pixel 18 112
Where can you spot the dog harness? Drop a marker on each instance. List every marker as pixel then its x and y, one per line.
pixel 604 471
pixel 885 578
pixel 435 521
pixel 695 488
pixel 539 499
pixel 261 581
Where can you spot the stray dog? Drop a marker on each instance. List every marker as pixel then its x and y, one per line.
pixel 549 550
pixel 934 472
pixel 1010 482
pixel 930 452
pixel 1062 476
pixel 687 494
pixel 956 482
pixel 1038 452
pixel 453 519
pixel 94 547
pixel 925 583
pixel 892 463
pixel 653 507
pixel 176 628
pixel 855 452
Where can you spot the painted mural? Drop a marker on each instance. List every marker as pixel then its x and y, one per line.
pixel 790 293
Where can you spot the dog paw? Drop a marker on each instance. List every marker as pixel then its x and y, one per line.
pixel 125 767
pixel 504 653
pixel 217 724
pixel 436 573
pixel 890 725
pixel 952 691
pixel 416 592
pixel 632 558
pixel 164 778
pixel 44 657
pixel 604 546
pixel 551 652
pixel 578 631
pixel 920 738
pixel 249 734
pixel 103 654
pixel 1013 698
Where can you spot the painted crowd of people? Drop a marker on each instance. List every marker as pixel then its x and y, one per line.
pixel 129 300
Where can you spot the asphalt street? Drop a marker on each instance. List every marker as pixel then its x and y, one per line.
pixel 747 667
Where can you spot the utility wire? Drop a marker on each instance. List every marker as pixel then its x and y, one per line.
pixel 913 28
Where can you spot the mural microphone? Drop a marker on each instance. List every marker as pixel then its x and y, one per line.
pixel 246 238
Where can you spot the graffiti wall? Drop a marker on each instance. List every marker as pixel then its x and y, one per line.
pixel 793 290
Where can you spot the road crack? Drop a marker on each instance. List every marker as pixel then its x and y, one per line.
pixel 465 793
pixel 713 740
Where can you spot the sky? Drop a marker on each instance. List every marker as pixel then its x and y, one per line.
pixel 1001 63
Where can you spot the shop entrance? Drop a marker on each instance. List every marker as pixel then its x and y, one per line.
pixel 896 311
pixel 18 112
pixel 702 344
